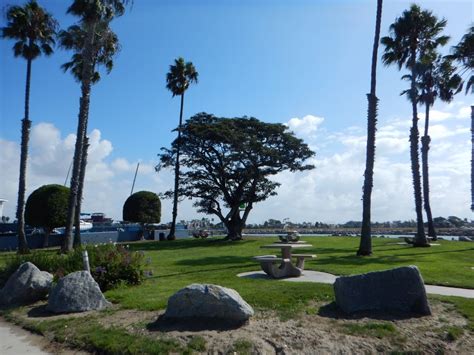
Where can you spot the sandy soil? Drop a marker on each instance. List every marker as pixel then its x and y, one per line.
pixel 326 331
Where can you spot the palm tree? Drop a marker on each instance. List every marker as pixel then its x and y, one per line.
pixel 464 54
pixel 88 40
pixel 104 47
pixel 436 79
pixel 365 247
pixel 178 79
pixel 33 29
pixel 411 35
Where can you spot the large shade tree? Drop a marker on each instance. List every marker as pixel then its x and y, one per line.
pixel 411 35
pixel 178 79
pixel 464 54
pixel 33 29
pixel 365 247
pixel 436 79
pixel 94 43
pixel 229 162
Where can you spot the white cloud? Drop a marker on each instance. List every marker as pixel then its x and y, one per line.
pixel 332 192
pixel 306 126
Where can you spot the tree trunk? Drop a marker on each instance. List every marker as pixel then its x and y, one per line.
pixel 82 175
pixel 425 146
pixel 420 237
pixel 172 235
pixel 87 71
pixel 234 227
pixel 47 232
pixel 365 247
pixel 472 158
pixel 25 137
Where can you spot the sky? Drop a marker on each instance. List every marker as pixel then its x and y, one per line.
pixel 304 63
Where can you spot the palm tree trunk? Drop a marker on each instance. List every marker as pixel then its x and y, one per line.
pixel 472 158
pixel 365 247
pixel 47 232
pixel 77 219
pixel 25 137
pixel 425 146
pixel 87 71
pixel 172 236
pixel 420 237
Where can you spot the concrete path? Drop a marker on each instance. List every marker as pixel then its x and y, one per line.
pixel 325 278
pixel 15 340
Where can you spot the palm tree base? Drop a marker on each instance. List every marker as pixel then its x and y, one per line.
pixel 421 245
pixel 364 253
pixel 171 237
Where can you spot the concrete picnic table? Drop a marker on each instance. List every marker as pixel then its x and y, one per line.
pixel 283 267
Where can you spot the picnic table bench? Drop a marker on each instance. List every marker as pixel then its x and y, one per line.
pixel 280 267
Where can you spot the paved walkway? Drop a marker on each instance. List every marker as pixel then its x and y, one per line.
pixel 325 278
pixel 15 341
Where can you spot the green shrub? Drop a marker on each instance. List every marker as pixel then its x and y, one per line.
pixel 110 264
pixel 46 208
pixel 142 207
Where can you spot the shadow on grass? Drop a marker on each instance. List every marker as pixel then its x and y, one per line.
pixel 186 244
pixel 217 260
pixel 332 311
pixel 241 268
pixel 164 324
pixel 40 312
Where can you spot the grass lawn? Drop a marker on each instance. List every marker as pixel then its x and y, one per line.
pixel 182 262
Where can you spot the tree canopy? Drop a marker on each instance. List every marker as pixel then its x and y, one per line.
pixel 229 161
pixel 142 207
pixel 47 207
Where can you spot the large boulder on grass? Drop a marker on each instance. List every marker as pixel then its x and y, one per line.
pixel 401 289
pixel 76 292
pixel 26 285
pixel 208 301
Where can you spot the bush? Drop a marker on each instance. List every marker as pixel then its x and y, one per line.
pixel 46 207
pixel 110 264
pixel 142 207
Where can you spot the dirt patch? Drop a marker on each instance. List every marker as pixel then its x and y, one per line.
pixel 321 329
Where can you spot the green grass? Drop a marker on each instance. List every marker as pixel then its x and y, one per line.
pixel 371 329
pixel 242 347
pixel 179 263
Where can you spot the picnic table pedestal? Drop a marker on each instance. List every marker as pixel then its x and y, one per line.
pixel 283 267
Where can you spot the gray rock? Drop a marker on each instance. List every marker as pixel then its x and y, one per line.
pixel 26 285
pixel 208 301
pixel 399 289
pixel 76 292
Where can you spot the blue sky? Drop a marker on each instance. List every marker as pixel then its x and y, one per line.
pixel 274 60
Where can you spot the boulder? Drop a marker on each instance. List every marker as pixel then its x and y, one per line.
pixel 26 285
pixel 400 289
pixel 76 292
pixel 209 302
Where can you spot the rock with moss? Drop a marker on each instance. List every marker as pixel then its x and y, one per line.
pixel 208 301
pixel 26 285
pixel 76 292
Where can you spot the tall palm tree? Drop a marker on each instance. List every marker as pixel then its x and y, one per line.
pixel 33 29
pixel 436 79
pixel 464 54
pixel 94 17
pixel 178 79
pixel 411 35
pixel 365 247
